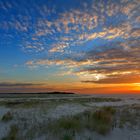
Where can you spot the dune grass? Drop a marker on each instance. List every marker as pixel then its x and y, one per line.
pixel 129 116
pixel 7 117
pixel 100 121
pixel 69 126
pixel 29 103
pixel 12 135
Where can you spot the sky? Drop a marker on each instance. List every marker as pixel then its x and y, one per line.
pixel 83 46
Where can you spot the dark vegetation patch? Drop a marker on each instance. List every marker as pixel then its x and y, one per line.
pixel 29 103
pixel 100 121
pixel 20 104
pixel 129 116
pixel 12 135
pixel 7 117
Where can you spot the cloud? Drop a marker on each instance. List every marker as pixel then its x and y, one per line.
pixel 9 84
pixel 119 61
pixel 66 63
pixel 38 48
pixel 73 26
pixel 23 87
pixel 129 8
pixel 117 79
pixel 59 47
pixel 99 41
pixel 112 61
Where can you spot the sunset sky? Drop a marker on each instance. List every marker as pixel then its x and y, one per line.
pixel 83 46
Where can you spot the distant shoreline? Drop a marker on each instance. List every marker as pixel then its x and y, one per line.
pixel 55 92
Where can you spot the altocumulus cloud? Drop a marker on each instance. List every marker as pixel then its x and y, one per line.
pixel 119 63
pixel 99 41
pixel 72 26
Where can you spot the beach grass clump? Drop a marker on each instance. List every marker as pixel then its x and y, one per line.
pixel 71 123
pixel 22 104
pixel 68 124
pixel 92 99
pixel 7 117
pixel 100 121
pixel 67 137
pixel 66 127
pixel 12 135
pixel 129 116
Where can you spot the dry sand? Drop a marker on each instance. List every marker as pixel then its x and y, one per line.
pixel 37 115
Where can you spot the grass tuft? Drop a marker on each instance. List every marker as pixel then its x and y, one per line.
pixel 67 124
pixel 100 121
pixel 67 137
pixel 7 117
pixel 12 134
